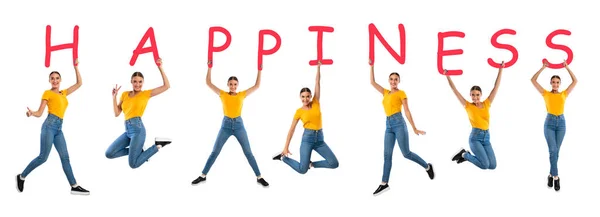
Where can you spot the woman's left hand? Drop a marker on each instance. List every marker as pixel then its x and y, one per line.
pixel 419 132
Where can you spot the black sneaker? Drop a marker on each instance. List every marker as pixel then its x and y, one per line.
pixel 557 184
pixel 381 189
pixel 262 182
pixel 20 183
pixel 550 181
pixel 277 157
pixel 430 171
pixel 198 180
pixel 79 191
pixel 162 141
pixel 458 156
pixel 462 159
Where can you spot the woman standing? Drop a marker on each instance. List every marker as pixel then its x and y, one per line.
pixel 232 124
pixel 133 104
pixel 56 100
pixel 479 115
pixel 394 100
pixel 312 139
pixel 554 126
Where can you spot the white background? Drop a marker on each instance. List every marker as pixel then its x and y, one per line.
pixel 353 117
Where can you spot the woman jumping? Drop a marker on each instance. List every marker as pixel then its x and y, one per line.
pixel 554 126
pixel 312 139
pixel 133 104
pixel 56 100
pixel 479 115
pixel 232 124
pixel 394 100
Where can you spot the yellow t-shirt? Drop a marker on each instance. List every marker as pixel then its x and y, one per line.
pixel 479 117
pixel 312 117
pixel 392 103
pixel 232 105
pixel 136 105
pixel 57 102
pixel 555 102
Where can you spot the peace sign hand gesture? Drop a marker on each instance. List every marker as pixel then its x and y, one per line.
pixel 115 90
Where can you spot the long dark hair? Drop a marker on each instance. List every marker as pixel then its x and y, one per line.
pixel 54 72
pixel 137 74
pixel 305 89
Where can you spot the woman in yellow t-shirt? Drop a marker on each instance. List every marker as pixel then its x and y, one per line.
pixel 56 100
pixel 394 100
pixel 312 139
pixel 232 124
pixel 554 126
pixel 133 104
pixel 479 115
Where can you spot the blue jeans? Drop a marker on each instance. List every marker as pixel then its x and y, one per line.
pixel 232 127
pixel 312 140
pixel 484 156
pixel 131 143
pixel 395 130
pixel 554 131
pixel 52 134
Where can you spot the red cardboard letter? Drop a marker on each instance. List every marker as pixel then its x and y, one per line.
pixel 211 47
pixel 50 48
pixel 261 50
pixel 320 30
pixel 442 52
pixel 558 47
pixel 513 50
pixel 400 57
pixel 140 49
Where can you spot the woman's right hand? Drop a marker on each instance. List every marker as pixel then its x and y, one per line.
pixel 115 90
pixel 545 64
pixel 29 112
pixel 286 152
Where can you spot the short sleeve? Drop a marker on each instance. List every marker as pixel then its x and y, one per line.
pixel 46 95
pixel 564 93
pixel 402 95
pixel 243 94
pixel 487 103
pixel 316 101
pixel 123 95
pixel 298 114
pixel 221 92
pixel 64 92
pixel 147 93
pixel 545 92
pixel 386 92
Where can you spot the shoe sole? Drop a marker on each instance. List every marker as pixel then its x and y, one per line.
pixel 79 193
pixel 461 149
pixel 162 139
pixel 262 185
pixel 17 184
pixel 199 183
pixel 382 191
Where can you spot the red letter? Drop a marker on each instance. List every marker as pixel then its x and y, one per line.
pixel 211 47
pixel 513 50
pixel 261 51
pixel 140 49
pixel 558 47
pixel 320 30
pixel 374 32
pixel 50 49
pixel 442 52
